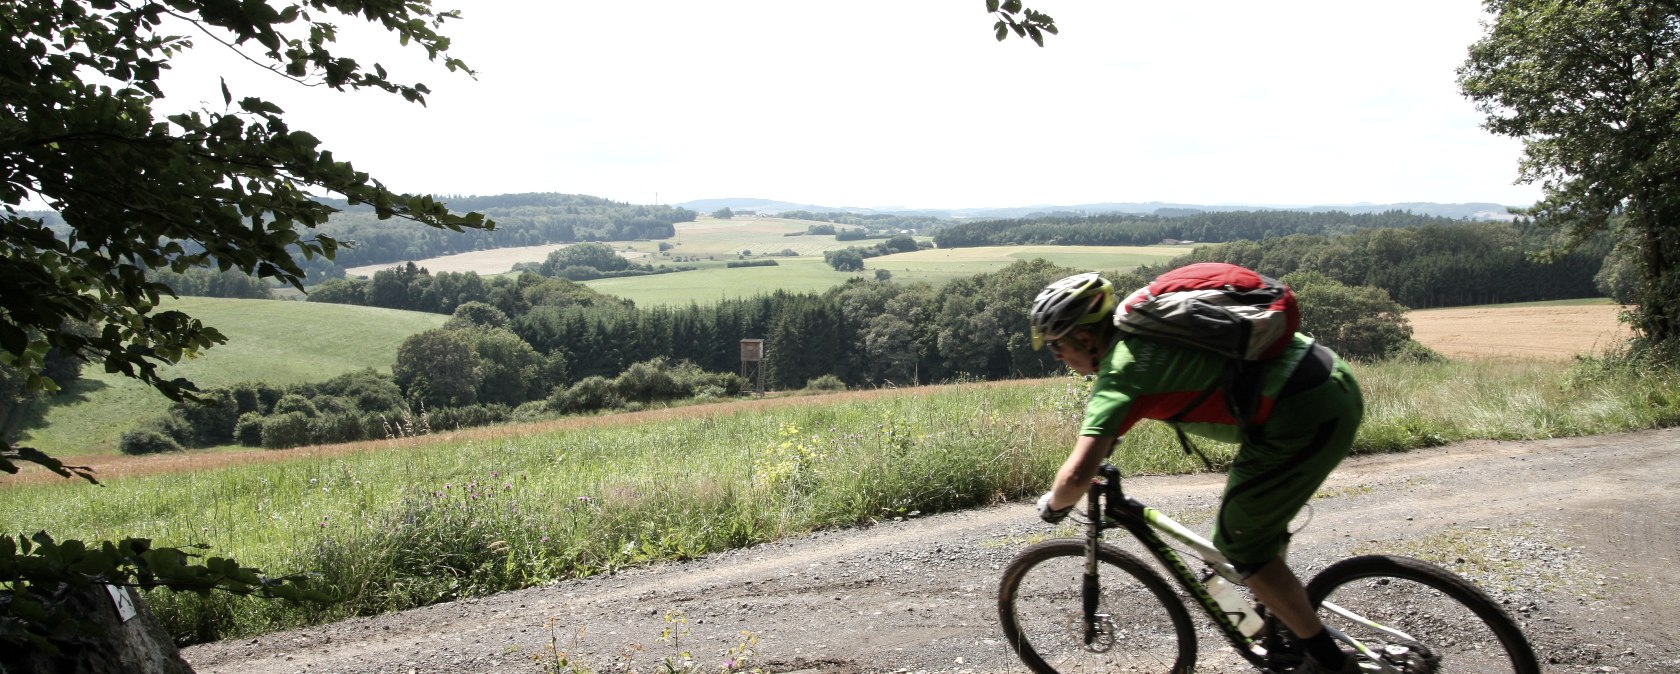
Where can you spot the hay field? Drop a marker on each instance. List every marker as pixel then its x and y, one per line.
pixel 1529 331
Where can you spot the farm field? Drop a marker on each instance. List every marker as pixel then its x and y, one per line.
pixel 1537 330
pixel 710 244
pixel 276 341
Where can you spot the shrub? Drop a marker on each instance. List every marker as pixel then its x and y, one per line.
pixel 288 429
pixel 256 397
pixel 648 381
pixel 205 423
pixel 337 428
pixel 592 393
pixel 827 382
pixel 450 418
pixel 294 403
pixel 1414 352
pixel 147 441
pixel 248 431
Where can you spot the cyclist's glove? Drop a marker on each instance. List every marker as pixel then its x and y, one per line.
pixel 1049 514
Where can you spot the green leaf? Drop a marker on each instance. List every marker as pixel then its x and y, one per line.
pixel 227 96
pixel 991 6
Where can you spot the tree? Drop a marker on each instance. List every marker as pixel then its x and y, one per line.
pixel 139 189
pixel 1357 321
pixel 723 213
pixel 1592 89
pixel 844 260
pixel 1023 21
pixel 226 189
pixel 599 256
pixel 439 368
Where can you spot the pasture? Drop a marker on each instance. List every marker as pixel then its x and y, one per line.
pixel 276 341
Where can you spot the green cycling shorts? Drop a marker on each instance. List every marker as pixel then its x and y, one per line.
pixel 1282 463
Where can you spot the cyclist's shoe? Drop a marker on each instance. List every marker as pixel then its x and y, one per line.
pixel 1311 665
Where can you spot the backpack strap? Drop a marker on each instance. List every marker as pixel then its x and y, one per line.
pixel 1176 419
pixel 1241 382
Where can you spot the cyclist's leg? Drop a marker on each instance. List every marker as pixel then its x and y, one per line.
pixel 1279 466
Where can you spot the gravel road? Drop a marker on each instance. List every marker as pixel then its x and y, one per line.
pixel 1576 536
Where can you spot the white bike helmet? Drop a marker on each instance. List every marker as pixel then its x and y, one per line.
pixel 1081 299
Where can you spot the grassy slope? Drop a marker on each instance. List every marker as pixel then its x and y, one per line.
pixel 268 340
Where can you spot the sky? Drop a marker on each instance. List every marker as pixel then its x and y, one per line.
pixel 915 104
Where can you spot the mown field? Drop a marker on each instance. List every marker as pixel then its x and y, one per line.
pixel 1545 330
pixel 277 341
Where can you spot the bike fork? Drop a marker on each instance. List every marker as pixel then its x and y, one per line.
pixel 1090 589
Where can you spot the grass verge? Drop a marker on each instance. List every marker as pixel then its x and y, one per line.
pixel 434 519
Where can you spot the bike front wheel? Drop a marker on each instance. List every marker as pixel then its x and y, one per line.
pixel 1419 618
pixel 1140 624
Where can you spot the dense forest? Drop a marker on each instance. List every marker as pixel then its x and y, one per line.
pixel 1429 266
pixel 1116 229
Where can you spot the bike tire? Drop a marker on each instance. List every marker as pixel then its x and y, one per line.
pixel 1457 621
pixel 1039 605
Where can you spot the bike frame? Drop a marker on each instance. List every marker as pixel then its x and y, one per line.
pixel 1148 525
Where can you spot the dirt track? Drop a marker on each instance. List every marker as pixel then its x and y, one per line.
pixel 1579 533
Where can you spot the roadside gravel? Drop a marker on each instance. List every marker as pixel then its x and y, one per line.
pixel 1577 537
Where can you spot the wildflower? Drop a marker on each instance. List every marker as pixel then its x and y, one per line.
pixel 544 539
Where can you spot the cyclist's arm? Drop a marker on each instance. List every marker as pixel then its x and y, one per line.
pixel 1074 478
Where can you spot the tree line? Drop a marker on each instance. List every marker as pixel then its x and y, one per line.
pixel 1436 265
pixel 1117 229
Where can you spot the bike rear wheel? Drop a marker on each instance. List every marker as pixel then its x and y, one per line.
pixel 1454 626
pixel 1143 628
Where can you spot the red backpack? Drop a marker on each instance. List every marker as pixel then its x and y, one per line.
pixel 1216 307
pixel 1222 308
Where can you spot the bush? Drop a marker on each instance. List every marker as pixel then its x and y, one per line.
pixel 592 393
pixel 337 428
pixel 1414 352
pixel 648 381
pixel 450 418
pixel 248 431
pixel 827 382
pixel 205 423
pixel 294 403
pixel 256 397
pixel 289 429
pixel 147 441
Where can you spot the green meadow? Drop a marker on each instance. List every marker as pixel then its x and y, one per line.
pixel 414 521
pixel 277 341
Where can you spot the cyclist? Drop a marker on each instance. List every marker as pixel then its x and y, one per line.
pixel 1303 423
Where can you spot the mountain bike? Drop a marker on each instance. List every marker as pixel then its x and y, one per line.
pixel 1083 604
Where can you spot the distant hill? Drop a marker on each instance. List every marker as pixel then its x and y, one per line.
pixel 1472 211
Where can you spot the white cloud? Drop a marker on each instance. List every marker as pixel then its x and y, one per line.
pixel 915 104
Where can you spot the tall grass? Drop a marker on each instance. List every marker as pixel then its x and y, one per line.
pixel 426 520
